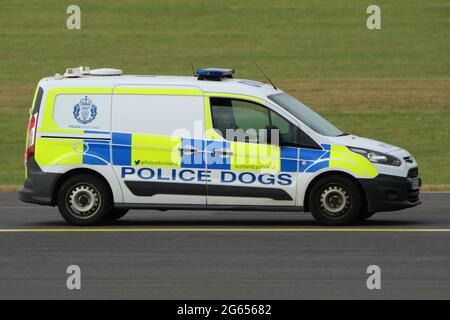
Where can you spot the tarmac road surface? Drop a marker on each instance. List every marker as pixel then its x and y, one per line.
pixel 225 255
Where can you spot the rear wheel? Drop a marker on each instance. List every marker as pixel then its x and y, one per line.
pixel 84 200
pixel 336 201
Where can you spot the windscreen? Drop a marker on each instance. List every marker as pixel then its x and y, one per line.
pixel 312 119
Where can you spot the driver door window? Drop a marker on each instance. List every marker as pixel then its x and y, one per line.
pixel 233 114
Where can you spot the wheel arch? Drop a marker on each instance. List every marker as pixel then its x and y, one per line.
pixel 327 174
pixel 75 172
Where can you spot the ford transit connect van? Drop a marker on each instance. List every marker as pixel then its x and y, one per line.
pixel 100 143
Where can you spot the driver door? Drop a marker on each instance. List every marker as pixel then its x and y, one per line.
pixel 247 167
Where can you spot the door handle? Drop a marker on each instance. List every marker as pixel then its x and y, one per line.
pixel 223 152
pixel 187 149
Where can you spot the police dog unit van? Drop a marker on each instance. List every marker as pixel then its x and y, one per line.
pixel 100 143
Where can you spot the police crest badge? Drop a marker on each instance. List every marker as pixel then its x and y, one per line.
pixel 85 111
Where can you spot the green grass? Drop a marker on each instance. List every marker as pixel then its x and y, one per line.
pixel 392 84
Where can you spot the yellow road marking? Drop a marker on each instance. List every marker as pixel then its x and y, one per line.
pixel 74 230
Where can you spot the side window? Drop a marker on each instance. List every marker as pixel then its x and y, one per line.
pixel 231 114
pixel 238 114
pixel 249 115
pixel 158 115
pixel 307 142
pixel 82 111
pixel 289 134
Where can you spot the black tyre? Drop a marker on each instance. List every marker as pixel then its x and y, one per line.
pixel 367 215
pixel 116 214
pixel 84 200
pixel 336 201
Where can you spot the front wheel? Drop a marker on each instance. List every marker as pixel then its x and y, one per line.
pixel 84 200
pixel 336 201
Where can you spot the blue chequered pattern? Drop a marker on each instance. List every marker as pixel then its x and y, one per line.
pixel 214 160
pixel 193 160
pixel 96 152
pixel 121 149
pixel 317 166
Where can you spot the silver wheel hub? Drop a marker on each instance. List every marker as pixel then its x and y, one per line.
pixel 84 201
pixel 335 201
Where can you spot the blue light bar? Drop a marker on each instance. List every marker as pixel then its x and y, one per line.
pixel 215 74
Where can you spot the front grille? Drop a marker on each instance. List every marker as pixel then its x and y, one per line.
pixel 413 172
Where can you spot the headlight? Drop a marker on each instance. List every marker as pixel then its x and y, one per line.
pixel 377 157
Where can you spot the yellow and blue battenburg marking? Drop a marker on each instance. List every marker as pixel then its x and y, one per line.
pixel 303 159
pixel 140 150
pixel 121 148
pixel 216 161
pixel 160 151
pixel 312 160
pixel 193 160
pixel 207 155
pixel 96 151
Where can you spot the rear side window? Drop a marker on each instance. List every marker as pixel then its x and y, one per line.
pixel 83 111
pixel 158 115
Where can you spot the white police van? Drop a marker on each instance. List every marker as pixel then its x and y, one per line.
pixel 100 143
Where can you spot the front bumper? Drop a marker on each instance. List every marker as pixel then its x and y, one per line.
pixel 390 193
